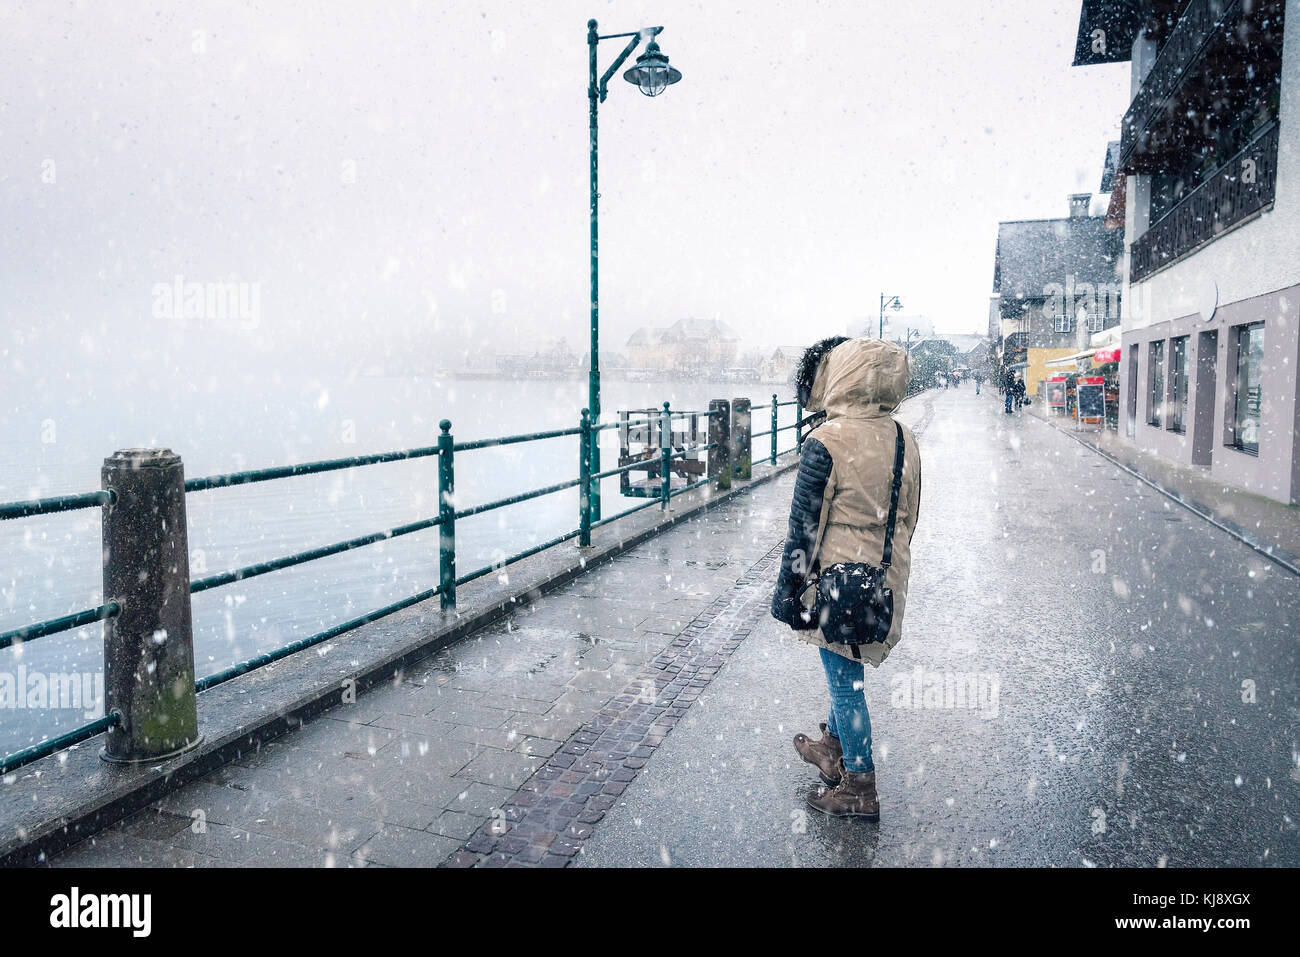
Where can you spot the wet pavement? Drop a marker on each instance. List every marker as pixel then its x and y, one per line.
pixel 1133 700
pixel 1135 675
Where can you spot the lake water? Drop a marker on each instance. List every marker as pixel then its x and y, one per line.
pixel 54 439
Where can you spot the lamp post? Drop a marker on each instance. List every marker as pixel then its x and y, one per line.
pixel 652 75
pixel 893 302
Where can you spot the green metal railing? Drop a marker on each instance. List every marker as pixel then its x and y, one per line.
pixel 798 424
pixel 445 521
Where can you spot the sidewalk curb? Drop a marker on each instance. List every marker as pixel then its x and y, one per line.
pixel 60 800
pixel 1274 553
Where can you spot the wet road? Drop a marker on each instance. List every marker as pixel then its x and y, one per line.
pixel 1134 675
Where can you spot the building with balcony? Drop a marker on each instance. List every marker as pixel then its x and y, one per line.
pixel 1055 282
pixel 1208 179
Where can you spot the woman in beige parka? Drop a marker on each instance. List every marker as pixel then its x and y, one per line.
pixel 839 514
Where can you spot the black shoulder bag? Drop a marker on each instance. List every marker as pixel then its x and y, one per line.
pixel 853 605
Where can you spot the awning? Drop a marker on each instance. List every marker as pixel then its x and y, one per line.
pixel 1107 337
pixel 1069 360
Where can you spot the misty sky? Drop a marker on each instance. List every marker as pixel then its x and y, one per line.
pixel 814 155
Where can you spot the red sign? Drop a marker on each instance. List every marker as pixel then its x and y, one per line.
pixel 1103 356
pixel 1092 380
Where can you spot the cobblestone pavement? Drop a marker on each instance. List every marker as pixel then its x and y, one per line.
pixel 555 811
pixel 410 772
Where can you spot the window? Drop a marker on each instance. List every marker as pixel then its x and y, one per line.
pixel 1178 384
pixel 1063 323
pixel 1156 372
pixel 1246 399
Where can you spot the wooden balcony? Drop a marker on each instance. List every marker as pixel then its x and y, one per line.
pixel 1195 29
pixel 1236 191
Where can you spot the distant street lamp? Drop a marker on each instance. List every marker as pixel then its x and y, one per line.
pixel 910 333
pixel 652 75
pixel 893 302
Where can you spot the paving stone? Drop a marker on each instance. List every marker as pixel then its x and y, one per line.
pixel 500 768
pixel 311 826
pixel 456 825
pixel 404 847
pixel 498 738
pixel 519 703
pixel 480 799
pixel 248 848
pixel 153 824
pixel 538 747
pixel 115 849
pixel 553 725
pixel 473 715
pixel 418 725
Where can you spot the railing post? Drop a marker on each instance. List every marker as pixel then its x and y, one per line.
pixel 742 464
pixel 798 427
pixel 774 408
pixel 149 645
pixel 720 442
pixel 447 515
pixel 584 480
pixel 666 447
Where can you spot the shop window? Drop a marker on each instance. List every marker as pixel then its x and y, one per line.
pixel 1156 374
pixel 1178 384
pixel 1246 387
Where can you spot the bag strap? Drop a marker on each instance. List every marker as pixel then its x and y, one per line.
pixel 900 449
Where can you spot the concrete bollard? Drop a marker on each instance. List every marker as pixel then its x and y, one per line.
pixel 149 644
pixel 720 438
pixel 741 461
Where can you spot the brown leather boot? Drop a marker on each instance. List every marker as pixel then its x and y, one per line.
pixel 854 796
pixel 825 754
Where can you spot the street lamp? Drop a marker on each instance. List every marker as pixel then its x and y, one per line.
pixel 652 75
pixel 893 302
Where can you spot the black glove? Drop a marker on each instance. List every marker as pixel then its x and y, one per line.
pixel 789 610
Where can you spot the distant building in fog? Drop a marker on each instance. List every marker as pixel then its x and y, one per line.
pixel 687 348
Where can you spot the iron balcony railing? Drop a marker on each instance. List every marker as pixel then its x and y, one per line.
pixel 1237 190
pixel 446 451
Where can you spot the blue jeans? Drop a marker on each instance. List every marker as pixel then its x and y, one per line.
pixel 849 720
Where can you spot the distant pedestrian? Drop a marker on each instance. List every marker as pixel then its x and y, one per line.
pixel 1019 390
pixel 855 506
pixel 1008 389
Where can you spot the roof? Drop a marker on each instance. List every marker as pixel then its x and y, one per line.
pixel 645 336
pixel 699 329
pixel 1035 254
pixel 1107 29
pixel 789 352
pixel 964 343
